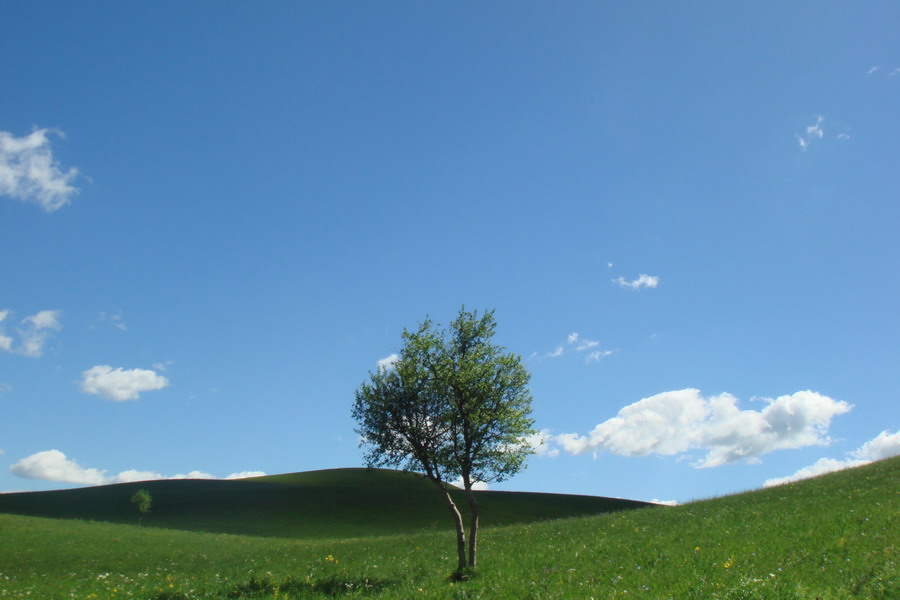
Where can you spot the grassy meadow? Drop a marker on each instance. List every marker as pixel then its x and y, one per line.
pixel 832 537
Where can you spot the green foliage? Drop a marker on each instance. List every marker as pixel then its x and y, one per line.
pixel 453 405
pixel 142 501
pixel 833 538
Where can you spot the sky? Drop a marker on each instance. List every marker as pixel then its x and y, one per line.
pixel 218 217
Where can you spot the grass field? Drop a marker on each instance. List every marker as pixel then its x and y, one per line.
pixel 831 538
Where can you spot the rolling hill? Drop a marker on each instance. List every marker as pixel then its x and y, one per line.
pixel 833 537
pixel 315 504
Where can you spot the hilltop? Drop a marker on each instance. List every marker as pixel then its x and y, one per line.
pixel 315 504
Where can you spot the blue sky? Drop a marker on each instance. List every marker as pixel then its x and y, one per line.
pixel 217 217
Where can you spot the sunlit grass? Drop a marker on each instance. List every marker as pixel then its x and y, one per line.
pixel 830 538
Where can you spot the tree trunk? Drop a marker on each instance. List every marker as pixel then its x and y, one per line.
pixel 460 529
pixel 473 527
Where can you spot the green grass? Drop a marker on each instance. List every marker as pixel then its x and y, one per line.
pixel 335 503
pixel 830 538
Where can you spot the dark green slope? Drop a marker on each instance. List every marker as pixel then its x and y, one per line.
pixel 317 504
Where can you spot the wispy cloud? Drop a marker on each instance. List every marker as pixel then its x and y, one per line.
pixel 884 445
pixel 29 173
pixel 682 421
pixel 120 384
pixel 643 281
pixel 116 320
pixel 876 69
pixel 813 132
pixel 53 465
pixel 33 332
pixel 576 343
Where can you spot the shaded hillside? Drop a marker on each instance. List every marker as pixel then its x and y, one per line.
pixel 315 504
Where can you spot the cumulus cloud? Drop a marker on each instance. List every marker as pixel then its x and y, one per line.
pixel 643 281
pixel 540 444
pixel 682 421
pixel 884 445
pixel 53 465
pixel 387 363
pixel 33 331
pixel 120 384
pixel 29 173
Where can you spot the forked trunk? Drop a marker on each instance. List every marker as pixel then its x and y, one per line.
pixel 460 529
pixel 473 527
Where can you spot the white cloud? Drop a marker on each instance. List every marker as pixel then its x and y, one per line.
pixel 246 474
pixel 598 355
pixel 873 70
pixel 53 465
pixel 387 363
pixel 193 475
pixel 121 384
pixel 33 332
pixel 813 132
pixel 577 343
pixel 643 281
pixel 117 320
pixel 681 421
pixel 36 329
pixel 665 502
pixel 28 171
pixel 476 485
pixel 5 341
pixel 540 444
pixel 581 344
pixel 133 475
pixel 884 445
pixel 843 136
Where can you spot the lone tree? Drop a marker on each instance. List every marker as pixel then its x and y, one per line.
pixel 453 405
pixel 142 501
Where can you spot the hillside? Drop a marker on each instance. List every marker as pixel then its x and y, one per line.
pixel 830 538
pixel 315 504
